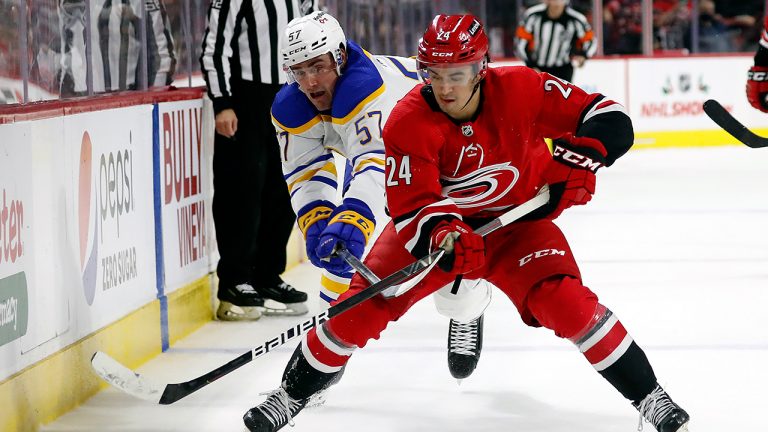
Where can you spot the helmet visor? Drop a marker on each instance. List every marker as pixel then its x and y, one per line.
pixel 450 73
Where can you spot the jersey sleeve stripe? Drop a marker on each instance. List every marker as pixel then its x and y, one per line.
pixel 604 107
pixel 330 182
pixel 371 168
pixel 338 287
pixel 318 159
pixel 354 159
pixel 362 164
pixel 378 92
pixel 329 167
pixel 411 228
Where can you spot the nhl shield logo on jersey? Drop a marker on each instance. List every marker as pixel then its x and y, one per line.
pixel 467 130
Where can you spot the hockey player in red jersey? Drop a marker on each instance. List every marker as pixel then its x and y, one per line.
pixel 461 149
pixel 757 77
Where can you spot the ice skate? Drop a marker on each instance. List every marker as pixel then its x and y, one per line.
pixel 283 299
pixel 658 409
pixel 239 303
pixel 465 342
pixel 274 413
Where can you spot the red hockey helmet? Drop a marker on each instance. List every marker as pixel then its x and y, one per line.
pixel 453 40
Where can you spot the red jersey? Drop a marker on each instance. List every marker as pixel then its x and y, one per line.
pixel 439 169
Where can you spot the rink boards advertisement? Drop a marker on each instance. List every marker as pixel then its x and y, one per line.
pixel 185 192
pixel 666 94
pixel 16 246
pixel 111 214
pixel 83 256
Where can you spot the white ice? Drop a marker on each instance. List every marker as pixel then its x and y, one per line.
pixel 675 243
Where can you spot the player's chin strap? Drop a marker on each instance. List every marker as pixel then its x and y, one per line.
pixel 474 90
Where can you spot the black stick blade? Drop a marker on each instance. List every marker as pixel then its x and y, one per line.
pixel 725 120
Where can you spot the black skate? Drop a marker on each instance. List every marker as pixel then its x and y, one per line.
pixel 274 413
pixel 658 409
pixel 283 299
pixel 465 342
pixel 239 303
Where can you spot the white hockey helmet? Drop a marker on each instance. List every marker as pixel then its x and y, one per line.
pixel 310 36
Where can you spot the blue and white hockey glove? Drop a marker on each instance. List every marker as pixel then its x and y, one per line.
pixel 351 225
pixel 313 218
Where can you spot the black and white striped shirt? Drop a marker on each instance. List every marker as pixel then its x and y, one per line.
pixel 544 42
pixel 116 47
pixel 242 40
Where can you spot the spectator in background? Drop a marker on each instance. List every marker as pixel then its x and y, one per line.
pixel 115 46
pixel 712 29
pixel 554 38
pixel 743 20
pixel 671 25
pixel 623 27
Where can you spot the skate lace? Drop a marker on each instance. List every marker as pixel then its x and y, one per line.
pixel 285 287
pixel 654 407
pixel 279 408
pixel 246 289
pixel 464 337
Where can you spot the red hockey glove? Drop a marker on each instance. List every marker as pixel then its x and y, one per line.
pixel 757 87
pixel 571 175
pixel 464 249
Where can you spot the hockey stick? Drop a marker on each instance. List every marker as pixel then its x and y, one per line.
pixel 128 381
pixel 539 200
pixel 725 120
pixel 123 378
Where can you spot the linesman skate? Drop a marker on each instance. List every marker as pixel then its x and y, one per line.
pixel 282 299
pixel 239 303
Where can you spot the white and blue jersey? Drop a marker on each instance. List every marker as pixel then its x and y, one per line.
pixel 365 93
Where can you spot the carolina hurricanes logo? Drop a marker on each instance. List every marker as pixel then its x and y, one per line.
pixel 473 151
pixel 482 187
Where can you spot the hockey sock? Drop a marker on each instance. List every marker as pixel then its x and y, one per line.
pixel 301 380
pixel 612 352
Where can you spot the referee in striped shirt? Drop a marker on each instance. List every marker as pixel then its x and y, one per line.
pixel 252 211
pixel 554 38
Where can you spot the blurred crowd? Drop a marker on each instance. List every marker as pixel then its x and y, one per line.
pixel 66 48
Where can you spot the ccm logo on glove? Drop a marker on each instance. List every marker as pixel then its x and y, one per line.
pixel 576 159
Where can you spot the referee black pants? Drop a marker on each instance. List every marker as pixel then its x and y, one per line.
pixel 251 207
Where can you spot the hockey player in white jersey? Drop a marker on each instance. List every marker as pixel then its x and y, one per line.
pixel 337 101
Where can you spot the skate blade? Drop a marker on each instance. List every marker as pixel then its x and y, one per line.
pixel 275 308
pixel 231 312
